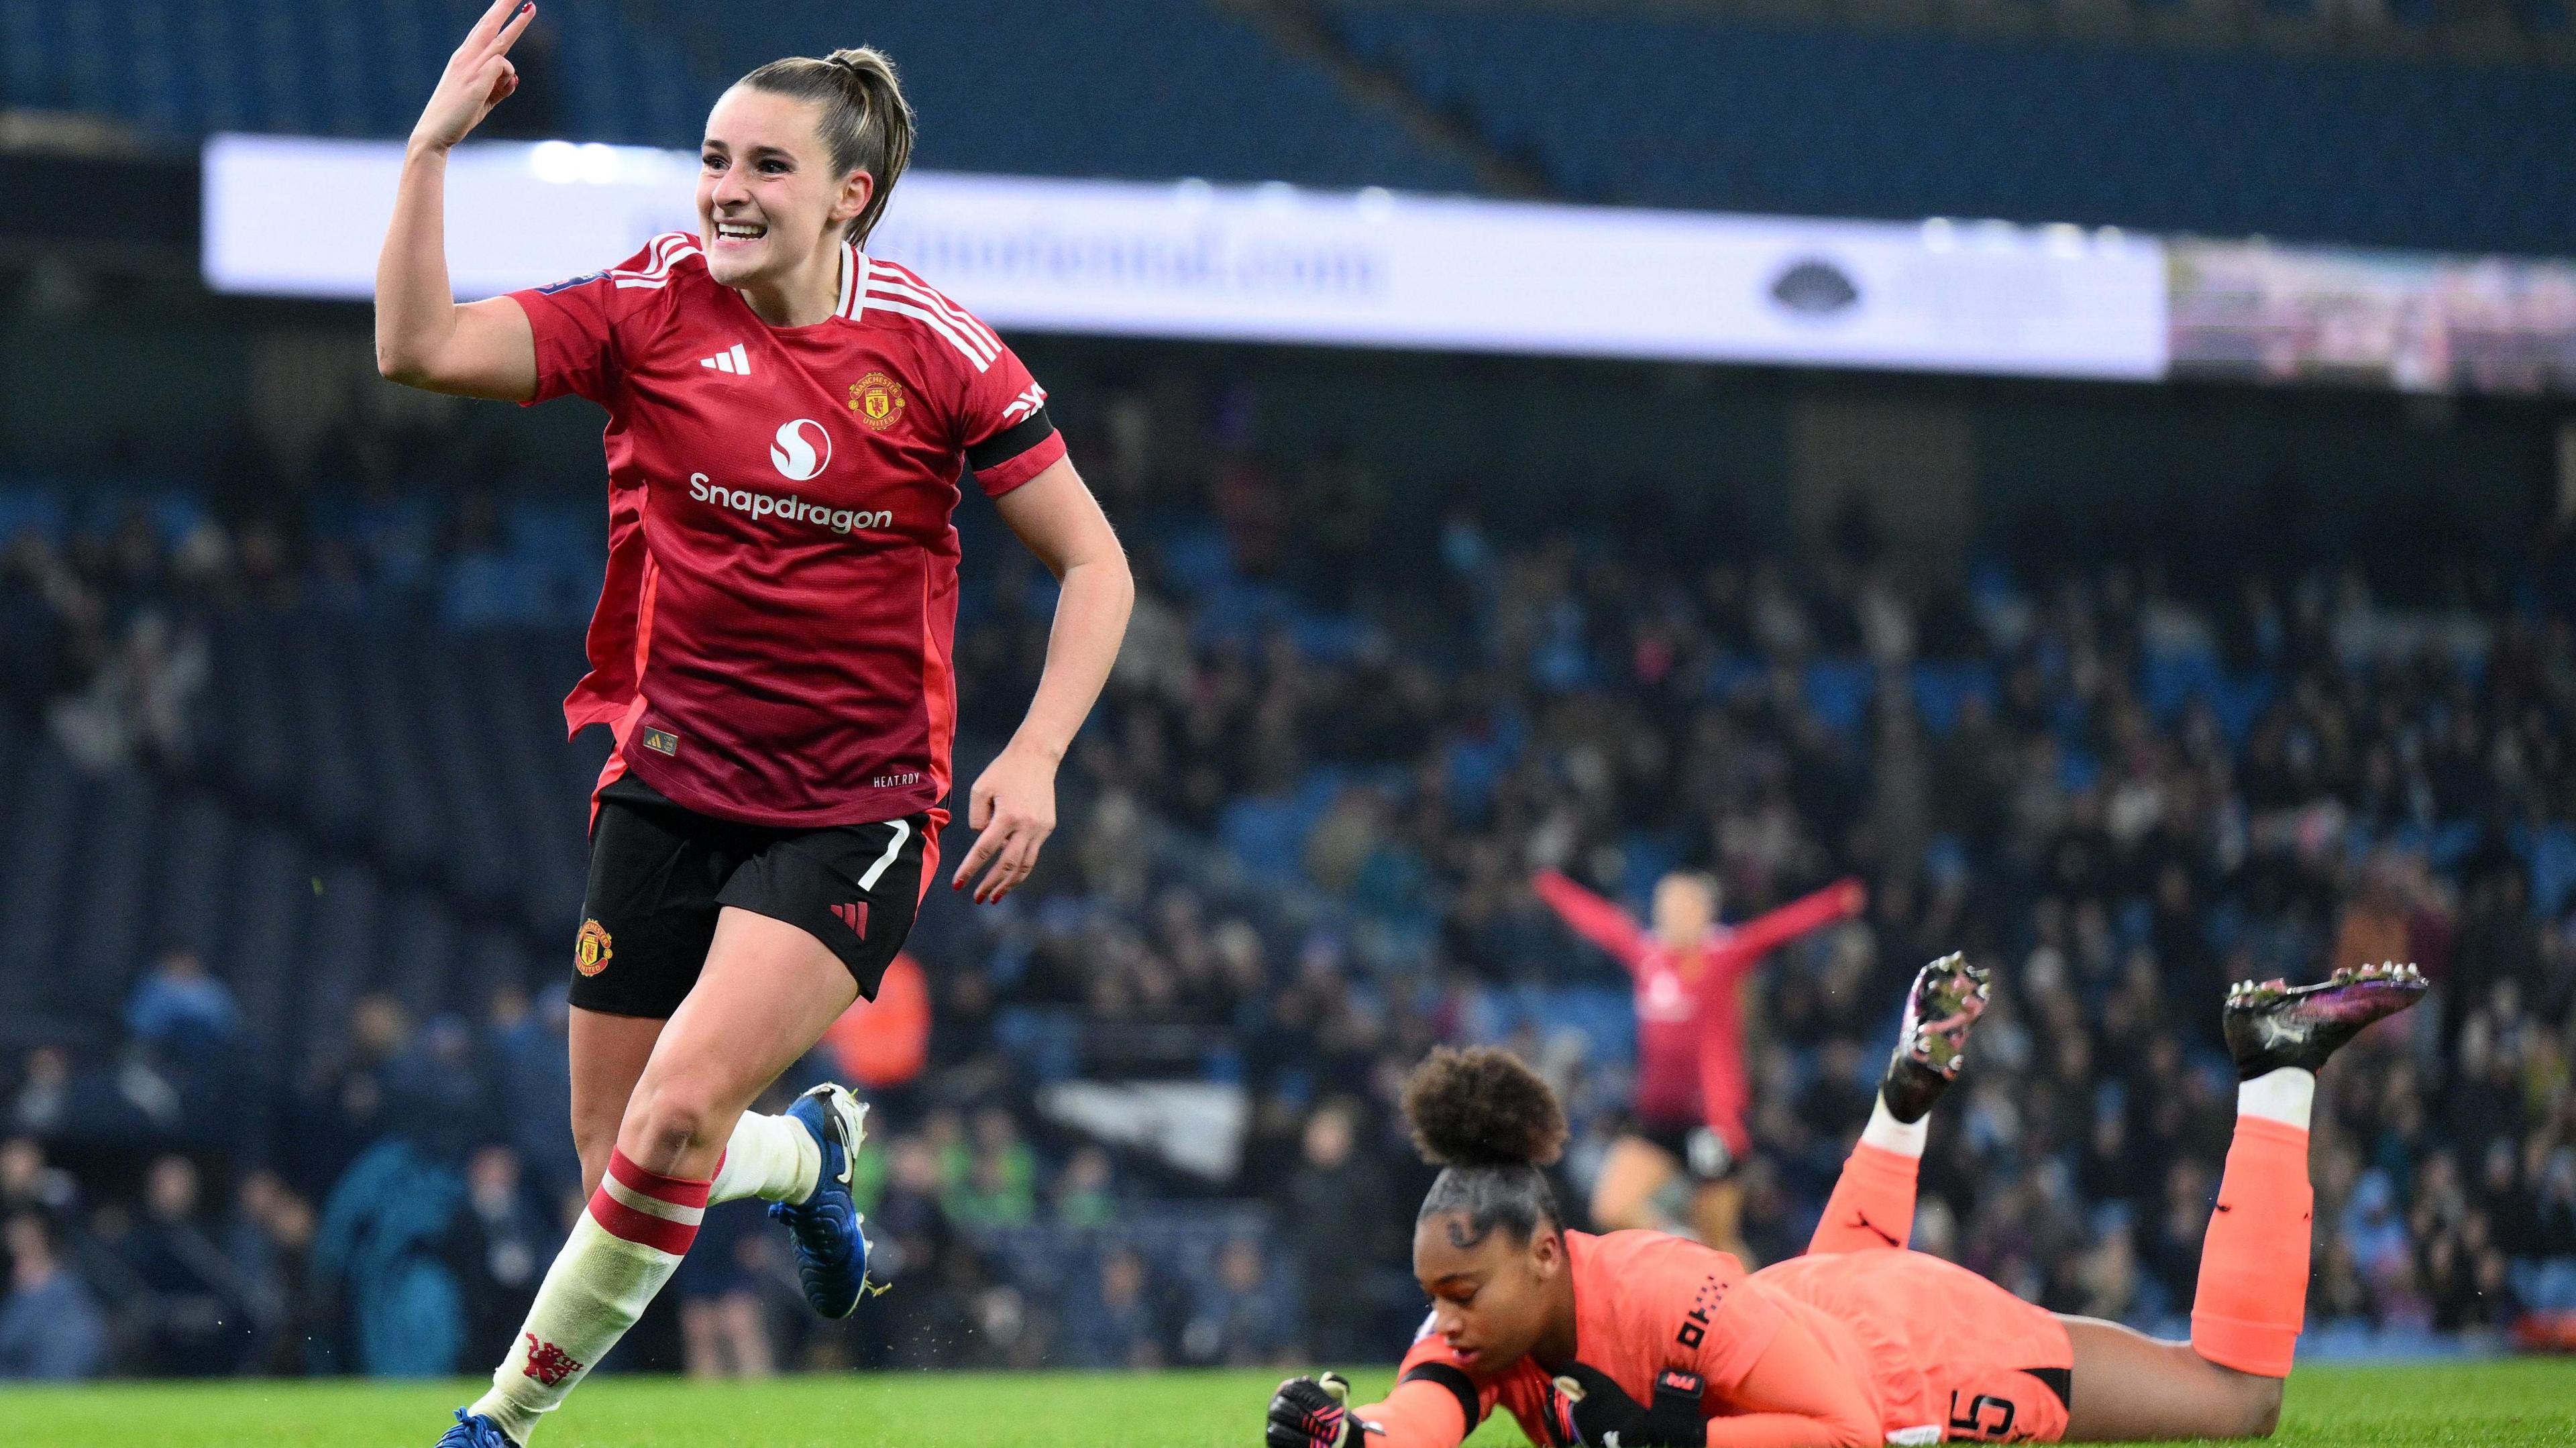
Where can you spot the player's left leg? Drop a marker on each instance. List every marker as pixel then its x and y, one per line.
pixel 1717 1217
pixel 2129 1386
pixel 768 992
pixel 2252 1297
pixel 1636 1176
pixel 608 1052
pixel 1872 1205
pixel 777 1158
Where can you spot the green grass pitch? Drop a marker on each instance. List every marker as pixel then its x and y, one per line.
pixel 2531 1401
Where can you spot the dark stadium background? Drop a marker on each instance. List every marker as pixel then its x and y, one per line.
pixel 2130 690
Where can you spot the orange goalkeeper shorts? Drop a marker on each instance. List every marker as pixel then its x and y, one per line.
pixel 1956 1357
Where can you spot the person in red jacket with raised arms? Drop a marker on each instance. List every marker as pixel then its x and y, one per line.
pixel 1688 1116
pixel 1644 1340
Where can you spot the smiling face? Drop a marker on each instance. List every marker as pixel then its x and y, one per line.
pixel 1492 1300
pixel 768 198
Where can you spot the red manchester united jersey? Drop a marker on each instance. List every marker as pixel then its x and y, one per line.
pixel 773 640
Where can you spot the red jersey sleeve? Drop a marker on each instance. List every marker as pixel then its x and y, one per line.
pixel 1593 918
pixel 1003 425
pixel 1745 945
pixel 581 321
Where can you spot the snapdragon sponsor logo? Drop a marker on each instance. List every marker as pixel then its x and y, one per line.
pixel 792 508
pixel 796 454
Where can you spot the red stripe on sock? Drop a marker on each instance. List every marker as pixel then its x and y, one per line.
pixel 628 1224
pixel 678 1191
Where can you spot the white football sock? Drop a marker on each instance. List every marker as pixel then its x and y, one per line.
pixel 771 1157
pixel 2287 1095
pixel 1905 1138
pixel 621 1251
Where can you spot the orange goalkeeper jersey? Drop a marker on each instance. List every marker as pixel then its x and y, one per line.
pixel 1914 1349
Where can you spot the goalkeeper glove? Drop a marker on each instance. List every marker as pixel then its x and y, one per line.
pixel 1315 1413
pixel 1600 1414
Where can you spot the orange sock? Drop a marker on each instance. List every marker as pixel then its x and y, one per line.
pixel 1872 1205
pixel 2253 1293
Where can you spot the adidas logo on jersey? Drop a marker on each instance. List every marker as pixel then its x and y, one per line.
pixel 1026 404
pixel 735 361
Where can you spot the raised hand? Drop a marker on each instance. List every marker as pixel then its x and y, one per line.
pixel 479 76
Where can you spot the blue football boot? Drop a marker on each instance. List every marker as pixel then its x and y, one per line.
pixel 473 1430
pixel 831 1248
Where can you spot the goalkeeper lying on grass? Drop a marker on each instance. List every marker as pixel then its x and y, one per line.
pixel 1641 1340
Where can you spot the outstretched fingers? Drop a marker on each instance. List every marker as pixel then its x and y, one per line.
pixel 505 15
pixel 517 26
pixel 485 50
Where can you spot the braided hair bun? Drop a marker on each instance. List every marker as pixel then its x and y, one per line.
pixel 1479 1106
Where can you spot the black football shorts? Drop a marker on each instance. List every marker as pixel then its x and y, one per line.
pixel 660 873
pixel 1694 1148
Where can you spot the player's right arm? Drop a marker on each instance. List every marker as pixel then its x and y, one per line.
pixel 1747 943
pixel 1317 1413
pixel 1434 1404
pixel 1593 918
pixel 423 337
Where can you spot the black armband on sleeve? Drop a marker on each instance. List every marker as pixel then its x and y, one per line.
pixel 1011 441
pixel 1452 1377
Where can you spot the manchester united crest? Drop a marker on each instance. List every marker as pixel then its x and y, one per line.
pixel 590 952
pixel 878 401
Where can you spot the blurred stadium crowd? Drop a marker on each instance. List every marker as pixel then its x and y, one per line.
pixel 2093 111
pixel 1298 842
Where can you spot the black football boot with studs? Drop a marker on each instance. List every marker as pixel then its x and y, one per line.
pixel 1947 997
pixel 2275 1024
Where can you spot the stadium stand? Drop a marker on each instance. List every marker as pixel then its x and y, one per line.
pixel 292 848
pixel 1671 110
pixel 645 73
pixel 293 856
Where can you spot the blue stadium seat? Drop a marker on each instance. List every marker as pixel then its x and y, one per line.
pixel 271 891
pixel 1640 108
pixel 1654 109
pixel 1166 87
pixel 111 924
pixel 44 826
pixel 341 955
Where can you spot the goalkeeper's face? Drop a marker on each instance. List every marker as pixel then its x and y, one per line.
pixel 1495 1297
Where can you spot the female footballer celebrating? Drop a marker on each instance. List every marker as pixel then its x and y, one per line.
pixel 788 423
pixel 1642 1340
pixel 1691 1099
